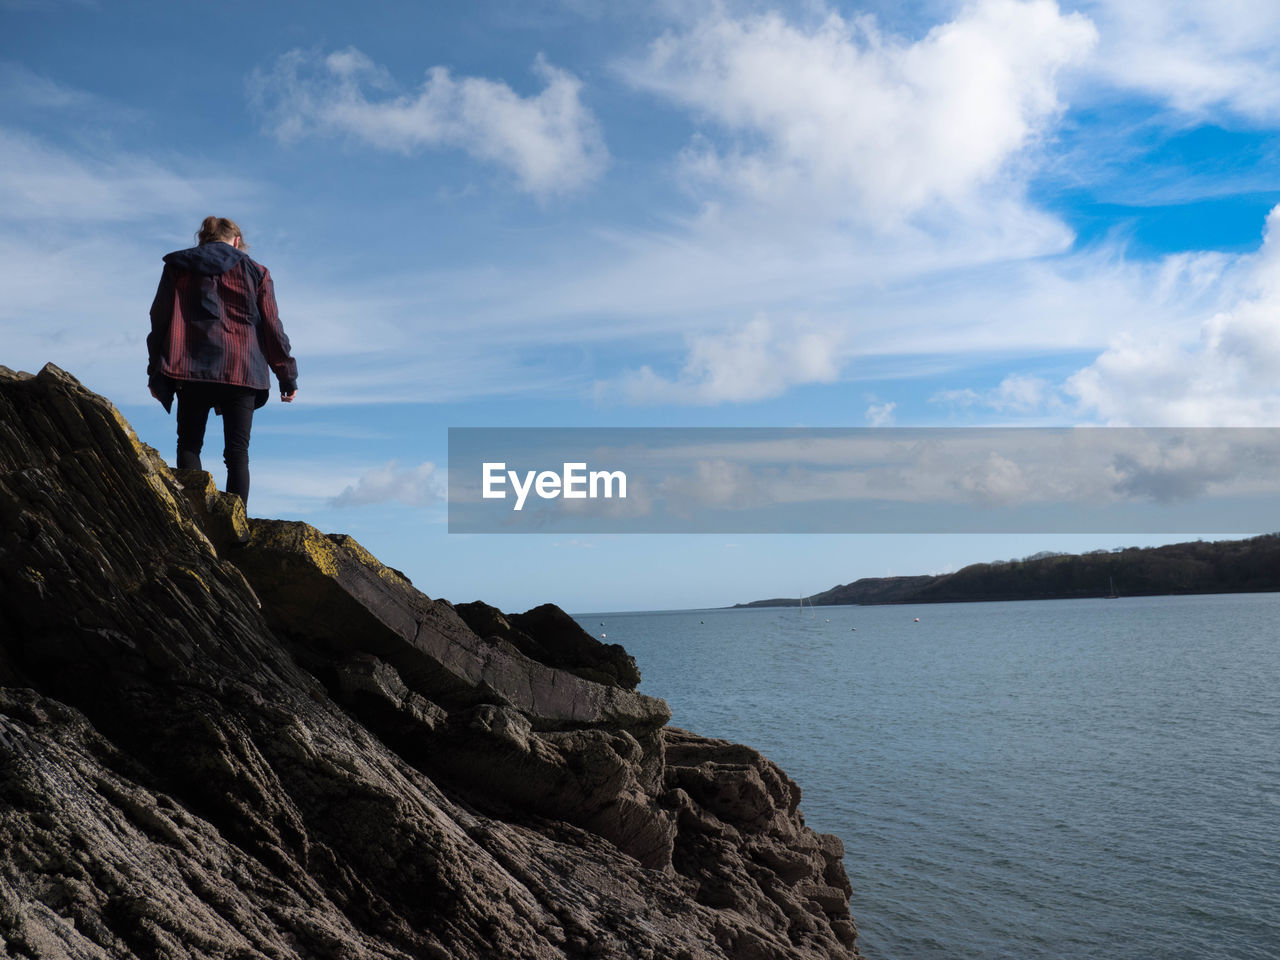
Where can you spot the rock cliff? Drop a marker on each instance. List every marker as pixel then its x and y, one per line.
pixel 234 738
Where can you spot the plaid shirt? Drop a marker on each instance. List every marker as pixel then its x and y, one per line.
pixel 214 319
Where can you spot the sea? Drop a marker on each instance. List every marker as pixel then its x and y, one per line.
pixel 1044 779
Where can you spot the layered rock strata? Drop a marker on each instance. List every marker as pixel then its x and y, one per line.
pixel 235 738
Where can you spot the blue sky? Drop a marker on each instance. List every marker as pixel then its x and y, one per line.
pixel 711 214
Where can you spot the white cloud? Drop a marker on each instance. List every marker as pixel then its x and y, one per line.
pixel 836 168
pixel 42 182
pixel 82 230
pixel 753 361
pixel 923 317
pixel 551 141
pixel 881 414
pixel 77 219
pixel 1225 373
pixel 23 86
pixel 1015 394
pixel 865 125
pixel 790 230
pixel 391 483
pixel 285 486
pixel 1195 56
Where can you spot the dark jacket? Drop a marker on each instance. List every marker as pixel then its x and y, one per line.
pixel 214 320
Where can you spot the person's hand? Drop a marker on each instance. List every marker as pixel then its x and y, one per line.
pixel 153 391
pixel 288 397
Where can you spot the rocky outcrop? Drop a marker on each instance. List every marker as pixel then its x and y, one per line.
pixel 223 737
pixel 549 635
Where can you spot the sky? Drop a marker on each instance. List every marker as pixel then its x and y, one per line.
pixel 569 213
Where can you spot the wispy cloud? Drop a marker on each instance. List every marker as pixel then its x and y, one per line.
pixel 1016 394
pixel 851 198
pixel 42 182
pixel 551 141
pixel 82 230
pixel 392 483
pixel 751 362
pixel 1223 372
pixel 1197 58
pixel 25 87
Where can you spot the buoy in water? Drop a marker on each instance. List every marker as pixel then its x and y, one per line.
pixel 603 635
pixel 917 620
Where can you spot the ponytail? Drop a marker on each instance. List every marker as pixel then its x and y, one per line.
pixel 219 228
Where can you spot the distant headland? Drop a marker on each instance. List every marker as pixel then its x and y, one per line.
pixel 1225 566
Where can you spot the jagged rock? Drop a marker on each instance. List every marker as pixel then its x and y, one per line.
pixel 743 839
pixel 334 599
pixel 594 778
pixel 549 635
pixel 374 690
pixel 332 592
pixel 220 515
pixel 346 770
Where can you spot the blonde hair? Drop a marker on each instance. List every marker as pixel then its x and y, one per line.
pixel 219 228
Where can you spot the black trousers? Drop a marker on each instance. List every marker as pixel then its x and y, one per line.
pixel 195 400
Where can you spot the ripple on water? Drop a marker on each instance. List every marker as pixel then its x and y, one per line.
pixel 1025 780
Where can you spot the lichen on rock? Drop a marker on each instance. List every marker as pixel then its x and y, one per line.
pixel 231 738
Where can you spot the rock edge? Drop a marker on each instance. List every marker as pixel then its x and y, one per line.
pixel 223 737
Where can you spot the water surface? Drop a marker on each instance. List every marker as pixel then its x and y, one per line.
pixel 1066 778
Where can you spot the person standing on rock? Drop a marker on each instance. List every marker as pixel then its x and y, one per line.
pixel 215 331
